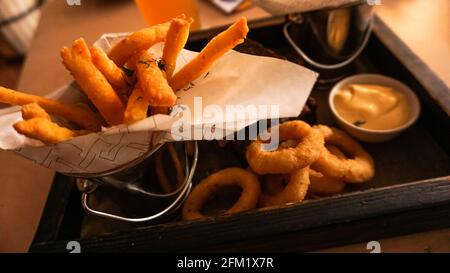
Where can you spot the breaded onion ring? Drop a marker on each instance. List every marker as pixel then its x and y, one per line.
pixel 336 151
pixel 323 185
pixel 319 184
pixel 358 168
pixel 286 160
pixel 204 191
pixel 295 190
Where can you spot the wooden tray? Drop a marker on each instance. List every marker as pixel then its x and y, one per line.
pixel 410 193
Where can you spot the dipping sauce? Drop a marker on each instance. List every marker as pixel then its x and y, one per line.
pixel 373 107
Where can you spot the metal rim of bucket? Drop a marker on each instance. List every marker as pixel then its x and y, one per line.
pixel 118 169
pixel 326 66
pixel 175 205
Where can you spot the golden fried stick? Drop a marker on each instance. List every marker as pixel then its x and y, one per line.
pixel 176 39
pixel 137 41
pixel 152 82
pixel 132 61
pixel 78 61
pixel 109 69
pixel 215 49
pixel 75 114
pixel 137 106
pixel 33 110
pixel 44 130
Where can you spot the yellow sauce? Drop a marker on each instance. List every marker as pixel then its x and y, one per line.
pixel 372 106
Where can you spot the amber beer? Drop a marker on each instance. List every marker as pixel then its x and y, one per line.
pixel 159 11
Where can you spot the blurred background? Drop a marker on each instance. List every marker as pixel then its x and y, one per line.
pixel 417 22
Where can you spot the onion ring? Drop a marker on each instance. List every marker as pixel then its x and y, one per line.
pixel 249 183
pixel 287 160
pixel 323 185
pixel 358 168
pixel 295 190
pixel 336 151
pixel 319 184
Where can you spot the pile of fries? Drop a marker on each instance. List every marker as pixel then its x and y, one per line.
pixel 126 85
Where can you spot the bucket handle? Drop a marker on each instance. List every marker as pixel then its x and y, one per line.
pixel 174 205
pixel 325 66
pixel 177 202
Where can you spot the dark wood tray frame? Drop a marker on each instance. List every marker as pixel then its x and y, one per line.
pixel 355 217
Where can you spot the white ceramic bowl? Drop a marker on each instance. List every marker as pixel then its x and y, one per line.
pixel 369 135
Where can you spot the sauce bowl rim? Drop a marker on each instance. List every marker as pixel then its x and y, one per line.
pixel 377 79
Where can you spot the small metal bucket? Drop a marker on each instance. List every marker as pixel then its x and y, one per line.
pixel 147 179
pixel 330 39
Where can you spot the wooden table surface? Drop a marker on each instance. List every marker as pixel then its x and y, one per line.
pixel 25 186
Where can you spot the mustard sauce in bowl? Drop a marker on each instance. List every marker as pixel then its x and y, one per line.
pixel 373 107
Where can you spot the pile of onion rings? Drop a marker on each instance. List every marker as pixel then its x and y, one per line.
pixel 316 160
pixel 310 161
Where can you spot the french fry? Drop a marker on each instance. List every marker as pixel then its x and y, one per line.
pixel 33 110
pixel 177 37
pixel 132 61
pixel 44 130
pixel 130 69
pixel 137 106
pixel 153 83
pixel 137 41
pixel 78 61
pixel 75 114
pixel 215 49
pixel 109 69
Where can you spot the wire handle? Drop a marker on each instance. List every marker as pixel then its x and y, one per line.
pixel 185 190
pixel 326 66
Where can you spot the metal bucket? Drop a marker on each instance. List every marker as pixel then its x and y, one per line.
pixel 330 39
pixel 147 180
